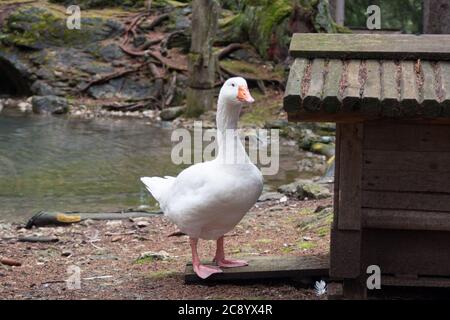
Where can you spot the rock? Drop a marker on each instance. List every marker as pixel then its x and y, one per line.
pixel 270 196
pixel 324 149
pixel 302 189
pixel 152 256
pixel 307 138
pixel 276 124
pixel 116 239
pixel 315 191
pixel 291 189
pixel 142 224
pixel 49 104
pixel 111 52
pixel 114 224
pixel 66 253
pixel 172 113
pixel 24 106
pixel 40 88
pixel 313 164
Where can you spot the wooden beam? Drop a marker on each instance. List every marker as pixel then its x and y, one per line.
pixel 269 267
pixel 313 97
pixel 406 220
pixel 390 89
pixel 370 46
pixel 445 80
pixel 331 99
pixel 370 104
pixel 409 93
pixel 430 100
pixel 292 96
pixel 352 93
pixel 350 174
pixel 406 200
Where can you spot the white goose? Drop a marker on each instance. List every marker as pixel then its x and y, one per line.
pixel 209 199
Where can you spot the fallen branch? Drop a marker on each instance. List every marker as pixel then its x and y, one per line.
pixel 111 76
pixel 10 262
pixel 156 21
pixel 229 49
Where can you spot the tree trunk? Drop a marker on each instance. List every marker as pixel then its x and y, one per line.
pixel 337 9
pixel 202 64
pixel 436 16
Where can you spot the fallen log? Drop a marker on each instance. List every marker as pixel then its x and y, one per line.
pixel 44 218
pixel 10 262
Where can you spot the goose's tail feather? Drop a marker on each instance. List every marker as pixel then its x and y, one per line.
pixel 158 187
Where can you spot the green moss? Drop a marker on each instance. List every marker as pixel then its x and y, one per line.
pixel 264 240
pixel 306 245
pixel 158 275
pixel 287 249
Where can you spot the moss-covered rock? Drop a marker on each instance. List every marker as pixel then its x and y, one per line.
pixel 37 28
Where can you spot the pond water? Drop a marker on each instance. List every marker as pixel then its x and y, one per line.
pixel 89 165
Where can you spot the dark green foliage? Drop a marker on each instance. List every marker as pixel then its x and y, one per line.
pixel 404 15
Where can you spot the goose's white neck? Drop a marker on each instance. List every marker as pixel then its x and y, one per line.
pixel 228 140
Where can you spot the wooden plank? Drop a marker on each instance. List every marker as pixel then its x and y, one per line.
pixel 406 220
pixel 434 282
pixel 431 106
pixel 331 99
pixel 313 97
pixel 409 92
pixel 406 201
pixel 345 254
pixel 350 172
pixel 390 90
pixel 378 135
pixel 370 104
pixel 408 252
pixel 370 46
pixel 431 162
pixel 405 181
pixel 269 267
pixel 445 79
pixel 352 94
pixel 337 170
pixel 292 95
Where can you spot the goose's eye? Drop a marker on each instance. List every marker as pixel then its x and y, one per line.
pixel 233 85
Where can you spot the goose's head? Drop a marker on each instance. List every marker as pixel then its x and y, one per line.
pixel 235 91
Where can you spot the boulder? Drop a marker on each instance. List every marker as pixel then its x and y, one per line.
pixel 41 88
pixel 49 104
pixel 305 189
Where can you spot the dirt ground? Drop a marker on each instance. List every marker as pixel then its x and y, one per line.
pixel 107 255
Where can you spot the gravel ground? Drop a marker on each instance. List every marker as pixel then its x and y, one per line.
pixel 107 255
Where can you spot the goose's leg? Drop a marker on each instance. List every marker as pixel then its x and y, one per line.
pixel 201 270
pixel 226 263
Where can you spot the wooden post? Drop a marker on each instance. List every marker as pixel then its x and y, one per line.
pixel 202 63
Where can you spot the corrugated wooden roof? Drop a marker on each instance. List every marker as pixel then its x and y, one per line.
pixel 332 88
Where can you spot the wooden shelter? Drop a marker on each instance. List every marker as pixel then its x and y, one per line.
pixel 390 98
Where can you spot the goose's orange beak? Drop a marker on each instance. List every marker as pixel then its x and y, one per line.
pixel 244 95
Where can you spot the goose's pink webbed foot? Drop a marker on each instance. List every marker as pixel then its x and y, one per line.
pixel 226 263
pixel 201 270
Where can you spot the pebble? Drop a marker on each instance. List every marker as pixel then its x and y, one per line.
pixel 66 253
pixel 114 223
pixel 116 238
